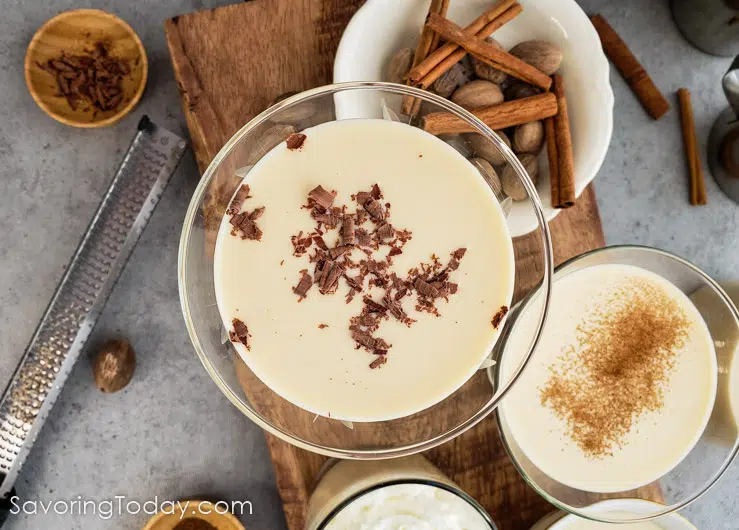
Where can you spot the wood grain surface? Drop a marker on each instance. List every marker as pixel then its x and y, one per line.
pixel 230 63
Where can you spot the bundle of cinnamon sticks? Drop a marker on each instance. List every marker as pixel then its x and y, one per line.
pixel 432 62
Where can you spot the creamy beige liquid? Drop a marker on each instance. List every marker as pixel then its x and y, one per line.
pixel 657 441
pixel 319 369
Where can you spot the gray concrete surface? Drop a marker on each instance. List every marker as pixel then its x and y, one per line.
pixel 171 433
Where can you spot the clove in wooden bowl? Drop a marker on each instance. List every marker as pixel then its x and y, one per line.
pixel 76 32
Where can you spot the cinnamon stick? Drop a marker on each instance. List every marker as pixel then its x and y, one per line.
pixel 422 69
pixel 488 53
pixel 690 142
pixel 496 117
pixel 459 53
pixel 563 139
pixel 426 44
pixel 631 69
pixel 552 158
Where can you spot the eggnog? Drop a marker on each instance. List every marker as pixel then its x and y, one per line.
pixel 622 384
pixel 360 268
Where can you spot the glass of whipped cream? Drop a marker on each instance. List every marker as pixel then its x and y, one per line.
pixel 344 274
pixel 631 397
pixel 402 493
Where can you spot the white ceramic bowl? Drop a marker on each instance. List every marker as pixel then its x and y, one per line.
pixel 381 27
pixel 561 521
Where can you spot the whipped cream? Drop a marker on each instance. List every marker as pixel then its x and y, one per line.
pixel 409 507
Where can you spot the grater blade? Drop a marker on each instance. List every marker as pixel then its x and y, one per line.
pixel 81 295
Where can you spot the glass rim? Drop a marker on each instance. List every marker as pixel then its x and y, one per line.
pixel 710 482
pixel 193 210
pixel 454 490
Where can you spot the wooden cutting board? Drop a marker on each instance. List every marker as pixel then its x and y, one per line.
pixel 230 63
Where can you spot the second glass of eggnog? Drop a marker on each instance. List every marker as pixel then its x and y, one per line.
pixel 621 394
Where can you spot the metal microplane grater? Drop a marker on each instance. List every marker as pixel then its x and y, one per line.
pixel 80 297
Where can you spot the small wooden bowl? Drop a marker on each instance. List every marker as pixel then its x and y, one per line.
pixel 169 521
pixel 76 33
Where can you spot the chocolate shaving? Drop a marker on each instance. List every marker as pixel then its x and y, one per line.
pixel 321 197
pixel 375 210
pixel 394 308
pixel 236 220
pixel 372 306
pixel 394 251
pixel 347 230
pixel 459 253
pixel 241 195
pixel 363 197
pixel 499 316
pixel 295 141
pixel 96 78
pixel 361 217
pixel 381 344
pixel 364 239
pixel 425 289
pixel 354 283
pixel 367 321
pixel 337 252
pixel 379 361
pixel 320 243
pixel 365 339
pixel 376 192
pixel 322 326
pixel 304 285
pixel 240 332
pixel 328 219
pixel 257 213
pixel 385 231
pixel 331 273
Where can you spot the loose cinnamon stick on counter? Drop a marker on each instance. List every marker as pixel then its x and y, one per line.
pixel 488 53
pixel 697 182
pixel 496 117
pixel 459 53
pixel 565 164
pixel 426 44
pixel 421 69
pixel 631 69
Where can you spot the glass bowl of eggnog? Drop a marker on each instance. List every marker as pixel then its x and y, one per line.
pixel 344 275
pixel 632 395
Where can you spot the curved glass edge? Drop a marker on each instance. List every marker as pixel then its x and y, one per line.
pixel 424 482
pixel 668 509
pixel 314 93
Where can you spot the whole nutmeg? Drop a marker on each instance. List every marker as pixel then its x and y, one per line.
pixel 512 185
pixel 488 173
pixel 519 90
pixel 114 366
pixel 528 137
pixel 399 65
pixel 489 73
pixel 476 94
pixel 456 76
pixel 483 148
pixel 546 56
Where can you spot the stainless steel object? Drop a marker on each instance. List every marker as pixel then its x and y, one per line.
pixel 81 295
pixel 709 25
pixel 723 142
